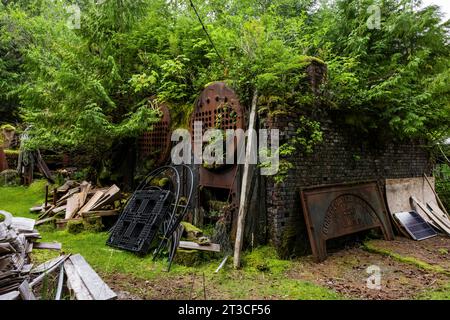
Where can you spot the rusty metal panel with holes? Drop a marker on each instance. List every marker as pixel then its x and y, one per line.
pixel 156 143
pixel 334 211
pixel 218 107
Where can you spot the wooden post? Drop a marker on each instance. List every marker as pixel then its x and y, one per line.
pixel 46 197
pixel 245 182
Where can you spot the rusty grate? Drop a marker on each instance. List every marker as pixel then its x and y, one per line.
pixel 218 107
pixel 156 143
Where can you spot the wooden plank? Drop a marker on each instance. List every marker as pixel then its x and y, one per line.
pixel 50 270
pixel 73 205
pixel 195 246
pixel 98 289
pixel 6 248
pixel 48 246
pixel 100 214
pixel 44 221
pixel 25 291
pixel 91 203
pixel 85 188
pixel 245 184
pixel 48 265
pixel 435 209
pixel 59 209
pixel 434 218
pixel 75 283
pixel 23 224
pixel 108 197
pixel 59 288
pixel 15 295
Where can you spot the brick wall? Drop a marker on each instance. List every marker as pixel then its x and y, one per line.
pixel 343 156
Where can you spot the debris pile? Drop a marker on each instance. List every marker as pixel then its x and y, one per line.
pixel 152 218
pixel 76 201
pixel 19 277
pixel 17 236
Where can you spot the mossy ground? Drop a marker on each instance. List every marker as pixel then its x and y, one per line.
pixel 263 274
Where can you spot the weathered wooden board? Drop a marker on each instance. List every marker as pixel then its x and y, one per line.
pixel 23 224
pixel 195 246
pixel 422 209
pixel 91 203
pixel 25 291
pixel 75 283
pixel 44 221
pixel 48 246
pixel 100 214
pixel 107 198
pixel 98 289
pixel 15 295
pixel 73 205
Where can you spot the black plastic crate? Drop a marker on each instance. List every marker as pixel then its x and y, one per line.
pixel 141 220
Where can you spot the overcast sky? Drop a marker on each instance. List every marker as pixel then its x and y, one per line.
pixel 444 4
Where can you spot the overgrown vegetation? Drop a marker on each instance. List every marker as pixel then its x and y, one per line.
pixel 87 88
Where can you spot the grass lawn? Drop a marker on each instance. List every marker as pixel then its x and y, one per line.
pixel 19 200
pixel 262 277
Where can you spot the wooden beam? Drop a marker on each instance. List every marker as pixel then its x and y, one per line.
pixel 25 291
pixel 195 246
pixel 99 214
pixel 97 288
pixel 48 246
pixel 245 182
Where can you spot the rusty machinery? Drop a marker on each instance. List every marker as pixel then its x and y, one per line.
pixel 156 143
pixel 334 211
pixel 218 107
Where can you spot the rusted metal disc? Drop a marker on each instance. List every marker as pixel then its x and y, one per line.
pixel 156 144
pixel 218 107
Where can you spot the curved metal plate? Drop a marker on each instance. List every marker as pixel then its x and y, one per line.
pixel 335 211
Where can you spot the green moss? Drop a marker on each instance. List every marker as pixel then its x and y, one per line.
pixel 265 259
pixel 12 153
pixel 7 127
pixel 442 293
pixel 368 246
pixel 190 228
pixel 75 227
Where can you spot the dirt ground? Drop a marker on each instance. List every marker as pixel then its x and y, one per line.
pixel 344 272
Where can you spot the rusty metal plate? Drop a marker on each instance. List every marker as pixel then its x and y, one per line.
pixel 156 143
pixel 3 162
pixel 218 107
pixel 335 211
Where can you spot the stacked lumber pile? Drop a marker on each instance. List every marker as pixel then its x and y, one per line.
pixel 75 201
pixel 18 276
pixel 17 236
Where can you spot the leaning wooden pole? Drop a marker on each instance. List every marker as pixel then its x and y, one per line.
pixel 243 206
